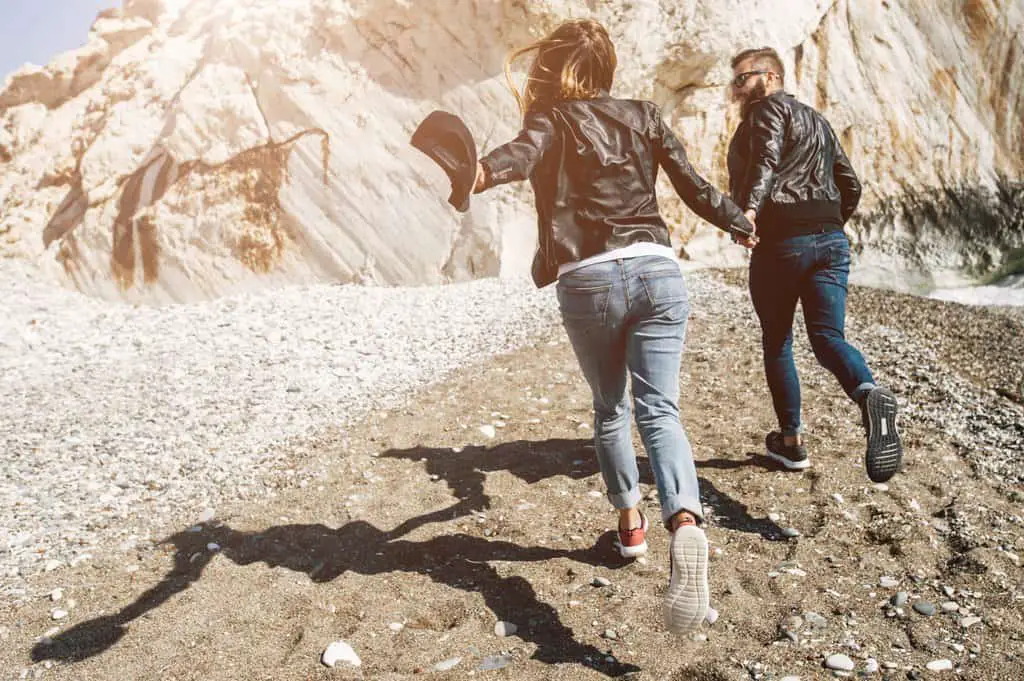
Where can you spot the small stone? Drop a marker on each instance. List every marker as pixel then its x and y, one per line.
pixel 871 666
pixel 715 553
pixel 792 623
pixel 790 532
pixel 207 515
pixel 957 647
pixel 711 616
pixel 839 662
pixel 899 599
pixel 339 651
pixel 774 517
pixel 890 665
pixel 815 620
pixel 939 665
pixel 601 581
pixel 610 635
pixel 493 662
pixel 838 498
pixel 968 622
pixel 213 547
pixel 488 430
pixel 51 565
pixel 949 606
pixel 887 582
pixel 58 614
pixel 447 664
pixel 699 637
pixel 882 487
pixel 56 594
pixel 505 629
pixel 949 591
pixel 574 604
pixel 595 494
pixel 790 678
pixel 396 626
pixel 924 608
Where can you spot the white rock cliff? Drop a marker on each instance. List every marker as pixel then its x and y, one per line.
pixel 198 147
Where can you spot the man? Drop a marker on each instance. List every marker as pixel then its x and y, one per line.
pixel 790 175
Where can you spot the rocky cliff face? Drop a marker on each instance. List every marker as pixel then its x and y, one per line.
pixel 198 147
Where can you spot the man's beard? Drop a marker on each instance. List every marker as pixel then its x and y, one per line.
pixel 759 92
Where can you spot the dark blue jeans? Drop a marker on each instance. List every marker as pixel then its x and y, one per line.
pixel 812 269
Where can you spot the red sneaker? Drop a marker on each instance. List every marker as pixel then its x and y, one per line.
pixel 633 543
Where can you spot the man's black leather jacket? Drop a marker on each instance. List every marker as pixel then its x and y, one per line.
pixel 786 164
pixel 593 165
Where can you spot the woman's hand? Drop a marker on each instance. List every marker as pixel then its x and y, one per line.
pixel 752 240
pixel 481 178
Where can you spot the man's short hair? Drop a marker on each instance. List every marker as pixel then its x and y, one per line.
pixel 764 58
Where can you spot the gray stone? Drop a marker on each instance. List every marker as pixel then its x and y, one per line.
pixel 924 608
pixel 888 582
pixel 445 665
pixel 839 662
pixel 601 581
pixel 899 599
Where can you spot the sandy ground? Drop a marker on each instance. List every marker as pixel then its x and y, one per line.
pixel 425 531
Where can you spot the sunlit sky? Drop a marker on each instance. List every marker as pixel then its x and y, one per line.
pixel 36 30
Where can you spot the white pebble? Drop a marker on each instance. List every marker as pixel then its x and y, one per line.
pixel 505 628
pixel 56 594
pixel 339 651
pixel 58 614
pixel 939 665
pixel 488 430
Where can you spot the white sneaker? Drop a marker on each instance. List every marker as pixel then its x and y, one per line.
pixel 686 603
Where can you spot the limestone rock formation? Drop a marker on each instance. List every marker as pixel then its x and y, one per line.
pixel 197 147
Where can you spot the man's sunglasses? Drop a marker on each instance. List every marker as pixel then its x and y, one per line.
pixel 742 78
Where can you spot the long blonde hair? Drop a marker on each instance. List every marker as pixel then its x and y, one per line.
pixel 575 61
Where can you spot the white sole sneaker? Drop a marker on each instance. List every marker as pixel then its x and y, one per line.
pixel 789 464
pixel 686 603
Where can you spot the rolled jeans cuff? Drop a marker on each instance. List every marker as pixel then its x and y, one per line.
pixel 627 499
pixel 793 431
pixel 672 505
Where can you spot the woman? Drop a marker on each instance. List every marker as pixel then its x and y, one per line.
pixel 593 160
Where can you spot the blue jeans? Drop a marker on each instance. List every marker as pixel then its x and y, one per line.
pixel 812 269
pixel 628 317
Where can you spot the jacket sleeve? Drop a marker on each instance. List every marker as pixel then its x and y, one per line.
pixel 696 192
pixel 767 137
pixel 846 182
pixel 514 161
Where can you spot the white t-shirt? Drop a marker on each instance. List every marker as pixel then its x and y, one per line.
pixel 632 251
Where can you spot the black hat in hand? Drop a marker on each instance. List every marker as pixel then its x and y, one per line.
pixel 446 139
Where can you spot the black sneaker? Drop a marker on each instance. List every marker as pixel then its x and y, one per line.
pixel 885 451
pixel 793 457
